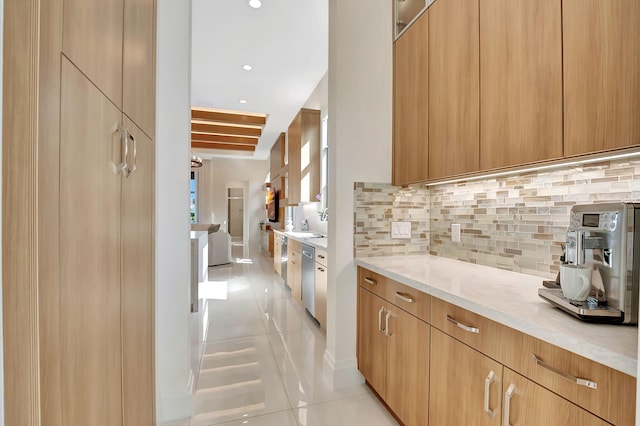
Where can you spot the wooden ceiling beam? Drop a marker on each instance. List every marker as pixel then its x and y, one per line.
pixel 207 137
pixel 235 117
pixel 224 129
pixel 225 146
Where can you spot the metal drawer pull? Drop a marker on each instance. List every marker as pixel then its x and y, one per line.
pixel 320 269
pixel 404 296
pixel 380 312
pixel 507 404
pixel 370 281
pixel 462 326
pixel 577 380
pixel 321 256
pixel 386 324
pixel 487 383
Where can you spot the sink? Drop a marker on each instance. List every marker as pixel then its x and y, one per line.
pixel 298 234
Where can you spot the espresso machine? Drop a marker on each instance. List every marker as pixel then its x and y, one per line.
pixel 606 238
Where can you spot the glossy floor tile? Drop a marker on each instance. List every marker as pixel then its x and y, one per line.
pixel 259 356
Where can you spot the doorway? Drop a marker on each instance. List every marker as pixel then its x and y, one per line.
pixel 235 214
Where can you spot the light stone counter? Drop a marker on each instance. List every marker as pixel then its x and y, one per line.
pixel 317 242
pixel 511 298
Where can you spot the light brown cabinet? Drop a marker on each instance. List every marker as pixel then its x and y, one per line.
pixel 303 148
pixel 294 269
pixel 410 104
pixel 321 275
pixel 106 252
pixel 277 253
pixel 520 82
pixel 601 75
pixel 113 43
pixel 454 88
pixel 393 355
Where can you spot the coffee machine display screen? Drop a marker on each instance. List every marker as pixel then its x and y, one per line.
pixel 591 220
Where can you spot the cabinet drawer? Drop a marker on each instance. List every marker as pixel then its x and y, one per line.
pixel 373 282
pixel 610 394
pixel 411 300
pixel 321 256
pixel 472 329
pixel 295 245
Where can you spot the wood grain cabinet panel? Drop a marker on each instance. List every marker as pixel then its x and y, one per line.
pixel 372 344
pixel 139 64
pixel 137 289
pixel 294 269
pixel 410 104
pixel 601 75
pixel 531 404
pixel 454 88
pixel 90 226
pixel 458 384
pixel 520 82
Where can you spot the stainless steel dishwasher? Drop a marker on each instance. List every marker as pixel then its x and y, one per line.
pixel 308 278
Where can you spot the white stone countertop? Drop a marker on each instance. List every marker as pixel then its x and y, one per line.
pixel 317 242
pixel 511 299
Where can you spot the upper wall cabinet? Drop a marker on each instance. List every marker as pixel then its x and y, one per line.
pixel 601 75
pixel 303 147
pixel 276 157
pixel 112 43
pixel 410 104
pixel 521 82
pixel 454 88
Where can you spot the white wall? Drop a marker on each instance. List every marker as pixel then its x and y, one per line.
pixel 319 98
pixel 238 173
pixel 1 347
pixel 360 96
pixel 173 374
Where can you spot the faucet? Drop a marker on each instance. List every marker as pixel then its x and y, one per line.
pixel 305 225
pixel 324 215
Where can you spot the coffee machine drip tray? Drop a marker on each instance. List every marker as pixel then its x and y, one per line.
pixel 583 310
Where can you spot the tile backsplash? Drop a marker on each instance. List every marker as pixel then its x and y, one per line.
pixel 514 222
pixel 379 204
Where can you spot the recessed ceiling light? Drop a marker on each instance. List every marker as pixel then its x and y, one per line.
pixel 243 101
pixel 255 3
pixel 247 67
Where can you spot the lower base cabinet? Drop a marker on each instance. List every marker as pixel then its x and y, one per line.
pixel 393 348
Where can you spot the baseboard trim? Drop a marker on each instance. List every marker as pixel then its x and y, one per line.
pixel 342 373
pixel 175 404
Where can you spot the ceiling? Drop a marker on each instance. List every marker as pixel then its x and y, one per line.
pixel 286 43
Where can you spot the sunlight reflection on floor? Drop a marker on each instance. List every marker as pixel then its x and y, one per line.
pixel 217 290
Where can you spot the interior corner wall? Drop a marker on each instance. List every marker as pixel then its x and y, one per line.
pixel 174 377
pixel 1 346
pixel 223 173
pixel 360 125
pixel 319 98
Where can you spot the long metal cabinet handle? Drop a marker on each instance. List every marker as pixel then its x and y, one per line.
pixel 370 281
pixel 134 166
pixel 462 326
pixel 380 312
pixel 403 296
pixel 577 380
pixel 507 404
pixel 121 166
pixel 487 384
pixel 386 324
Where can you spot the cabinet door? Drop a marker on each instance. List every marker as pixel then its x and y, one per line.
pixel 90 207
pixel 454 88
pixel 520 82
pixel 294 133
pixel 601 74
pixel 277 254
pixel 294 274
pixel 139 59
pixel 137 282
pixel 408 367
pixel 321 294
pixel 460 382
pixel 410 104
pixel 527 403
pixel 372 352
pixel 92 39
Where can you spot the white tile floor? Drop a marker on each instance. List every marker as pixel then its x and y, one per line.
pixel 260 357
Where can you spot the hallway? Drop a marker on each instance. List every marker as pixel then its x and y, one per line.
pixel 259 357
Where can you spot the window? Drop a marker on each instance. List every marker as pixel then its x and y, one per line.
pixel 324 161
pixel 192 197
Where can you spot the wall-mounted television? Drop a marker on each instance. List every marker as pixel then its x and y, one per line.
pixel 272 205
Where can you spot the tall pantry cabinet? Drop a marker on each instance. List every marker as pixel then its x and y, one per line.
pixel 107 157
